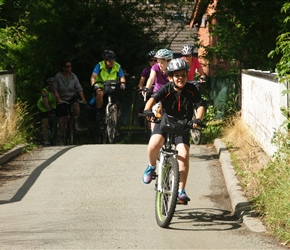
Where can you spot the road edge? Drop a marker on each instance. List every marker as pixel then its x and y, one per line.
pixel 240 204
pixel 11 154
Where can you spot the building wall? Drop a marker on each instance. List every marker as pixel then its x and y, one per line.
pixel 262 99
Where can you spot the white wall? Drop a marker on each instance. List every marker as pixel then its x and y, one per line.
pixel 7 92
pixel 261 103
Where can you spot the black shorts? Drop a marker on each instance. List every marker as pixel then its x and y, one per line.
pixel 43 115
pixel 177 138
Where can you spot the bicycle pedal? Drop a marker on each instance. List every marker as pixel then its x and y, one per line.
pixel 181 202
pixel 154 176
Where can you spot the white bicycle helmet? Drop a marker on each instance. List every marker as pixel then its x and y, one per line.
pixel 187 49
pixel 164 54
pixel 175 65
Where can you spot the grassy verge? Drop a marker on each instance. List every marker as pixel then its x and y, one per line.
pixel 14 128
pixel 265 181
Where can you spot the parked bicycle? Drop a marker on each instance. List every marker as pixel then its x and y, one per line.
pixel 167 179
pixel 107 123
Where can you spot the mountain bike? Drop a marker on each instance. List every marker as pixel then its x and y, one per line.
pixel 108 125
pixel 167 180
pixel 52 129
pixel 69 136
pixel 196 133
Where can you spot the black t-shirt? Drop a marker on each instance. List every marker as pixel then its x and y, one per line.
pixel 178 104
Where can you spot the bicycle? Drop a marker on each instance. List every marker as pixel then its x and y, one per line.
pixel 196 133
pixel 167 180
pixel 108 123
pixel 69 136
pixel 52 129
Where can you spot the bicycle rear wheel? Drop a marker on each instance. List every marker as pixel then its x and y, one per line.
pixel 166 199
pixel 196 135
pixel 70 131
pixel 111 125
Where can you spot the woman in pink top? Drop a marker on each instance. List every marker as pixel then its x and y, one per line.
pixel 158 75
pixel 158 71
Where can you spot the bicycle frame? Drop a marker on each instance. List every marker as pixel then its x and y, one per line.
pixel 111 113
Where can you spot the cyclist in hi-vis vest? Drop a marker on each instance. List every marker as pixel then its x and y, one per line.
pixel 46 104
pixel 108 69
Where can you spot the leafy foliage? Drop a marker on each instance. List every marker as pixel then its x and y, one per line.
pixel 246 31
pixel 37 35
pixel 283 47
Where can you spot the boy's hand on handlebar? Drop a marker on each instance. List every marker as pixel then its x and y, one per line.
pixel 149 114
pixel 196 123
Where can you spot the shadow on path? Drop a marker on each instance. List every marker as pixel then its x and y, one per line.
pixel 22 191
pixel 204 219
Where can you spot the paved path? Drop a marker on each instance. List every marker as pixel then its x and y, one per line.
pixel 92 197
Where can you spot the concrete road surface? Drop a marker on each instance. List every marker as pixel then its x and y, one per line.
pixel 93 197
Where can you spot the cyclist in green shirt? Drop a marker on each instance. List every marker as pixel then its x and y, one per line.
pixel 46 104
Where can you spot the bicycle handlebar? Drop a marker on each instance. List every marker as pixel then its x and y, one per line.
pixel 66 102
pixel 190 123
pixel 104 82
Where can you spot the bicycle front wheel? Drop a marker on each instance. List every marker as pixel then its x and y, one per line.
pixel 111 123
pixel 166 199
pixel 196 135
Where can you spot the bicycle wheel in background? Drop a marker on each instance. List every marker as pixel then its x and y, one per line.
pixel 165 201
pixel 70 131
pixel 196 135
pixel 111 123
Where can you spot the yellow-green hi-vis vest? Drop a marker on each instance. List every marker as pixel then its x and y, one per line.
pixel 105 75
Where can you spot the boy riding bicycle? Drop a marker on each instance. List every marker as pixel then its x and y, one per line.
pixel 177 98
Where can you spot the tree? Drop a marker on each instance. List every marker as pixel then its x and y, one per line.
pixel 283 47
pixel 36 35
pixel 246 31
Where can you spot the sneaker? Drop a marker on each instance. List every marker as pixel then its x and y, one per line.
pixel 46 143
pixel 148 173
pixel 183 196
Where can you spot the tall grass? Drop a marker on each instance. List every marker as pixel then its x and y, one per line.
pixel 265 181
pixel 14 127
pixel 273 200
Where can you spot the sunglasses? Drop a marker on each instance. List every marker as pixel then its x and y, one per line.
pixel 153 60
pixel 67 66
pixel 50 84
